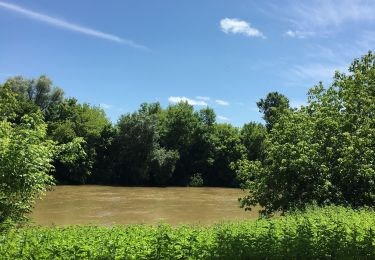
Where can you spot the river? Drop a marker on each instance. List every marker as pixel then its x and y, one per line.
pixel 106 205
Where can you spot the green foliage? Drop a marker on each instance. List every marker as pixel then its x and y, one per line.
pixel 103 164
pixel 196 180
pixel 253 135
pixel 40 91
pixel 228 148
pixel 272 107
pixel 319 233
pixel 158 146
pixel 79 128
pixel 73 159
pixel 162 166
pixel 323 153
pixel 69 124
pixel 152 146
pixel 180 122
pixel 13 105
pixel 25 161
pixel 178 128
pixel 135 144
pixel 8 104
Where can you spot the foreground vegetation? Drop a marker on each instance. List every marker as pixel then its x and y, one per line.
pixel 319 233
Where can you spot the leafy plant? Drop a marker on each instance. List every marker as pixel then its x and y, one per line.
pixel 318 233
pixel 25 161
pixel 196 180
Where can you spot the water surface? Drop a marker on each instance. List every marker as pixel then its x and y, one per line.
pixel 91 204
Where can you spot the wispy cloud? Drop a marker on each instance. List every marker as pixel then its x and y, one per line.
pixel 68 25
pixel 203 98
pixel 324 17
pixel 298 34
pixel 192 102
pixel 222 102
pixel 333 12
pixel 236 26
pixel 324 60
pixel 342 53
pixel 223 118
pixel 312 73
pixel 105 106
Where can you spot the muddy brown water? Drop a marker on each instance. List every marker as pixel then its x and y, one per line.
pixel 106 205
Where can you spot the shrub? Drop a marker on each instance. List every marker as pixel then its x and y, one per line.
pixel 196 180
pixel 25 161
pixel 318 233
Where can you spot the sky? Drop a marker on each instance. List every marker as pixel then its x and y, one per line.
pixel 222 54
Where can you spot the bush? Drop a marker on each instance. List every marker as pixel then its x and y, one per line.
pixel 25 161
pixel 319 233
pixel 196 180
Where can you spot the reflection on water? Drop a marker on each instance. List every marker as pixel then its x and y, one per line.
pixel 126 205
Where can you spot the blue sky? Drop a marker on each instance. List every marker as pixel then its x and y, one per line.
pixel 224 54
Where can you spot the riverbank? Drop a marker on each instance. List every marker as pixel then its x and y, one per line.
pixel 330 232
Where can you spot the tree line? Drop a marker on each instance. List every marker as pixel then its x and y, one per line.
pixel 154 146
pixel 322 153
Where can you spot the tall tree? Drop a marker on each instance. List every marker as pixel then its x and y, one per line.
pixel 139 158
pixel 134 142
pixel 272 107
pixel 323 153
pixel 179 125
pixel 253 135
pixel 40 91
pixel 83 125
pixel 228 149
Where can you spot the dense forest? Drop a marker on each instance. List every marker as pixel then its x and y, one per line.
pixel 152 146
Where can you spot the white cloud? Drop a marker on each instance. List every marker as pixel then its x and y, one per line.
pixel 233 25
pixel 290 33
pixel 298 34
pixel 105 106
pixel 222 102
pixel 223 118
pixel 203 98
pixel 69 26
pixel 192 102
